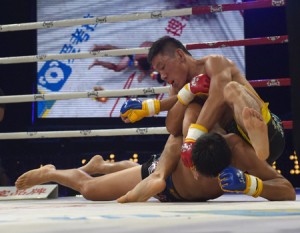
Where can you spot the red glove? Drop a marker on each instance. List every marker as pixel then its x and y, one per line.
pixel 198 86
pixel 194 132
pixel 186 154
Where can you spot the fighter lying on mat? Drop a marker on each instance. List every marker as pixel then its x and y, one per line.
pixel 180 186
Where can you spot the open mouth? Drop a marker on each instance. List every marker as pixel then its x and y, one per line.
pixel 171 82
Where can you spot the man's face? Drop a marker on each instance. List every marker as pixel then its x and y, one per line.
pixel 172 69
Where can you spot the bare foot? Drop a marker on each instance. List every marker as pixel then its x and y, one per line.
pixel 95 166
pixel 257 131
pixel 34 177
pixel 144 190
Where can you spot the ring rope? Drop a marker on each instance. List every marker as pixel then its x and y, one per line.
pixel 144 50
pixel 280 82
pixel 121 92
pixel 89 94
pixel 97 132
pixel 84 133
pixel 196 10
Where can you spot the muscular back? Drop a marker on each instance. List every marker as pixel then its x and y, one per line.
pixel 245 159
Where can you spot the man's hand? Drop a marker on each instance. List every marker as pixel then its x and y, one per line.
pixel 234 180
pixel 194 132
pixel 134 109
pixel 198 86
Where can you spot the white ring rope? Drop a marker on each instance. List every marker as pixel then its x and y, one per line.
pixel 84 133
pixel 89 94
pixel 121 92
pixel 144 50
pixel 148 15
pixel 66 56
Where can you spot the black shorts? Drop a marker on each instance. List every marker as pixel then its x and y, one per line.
pixel 149 166
pixel 275 133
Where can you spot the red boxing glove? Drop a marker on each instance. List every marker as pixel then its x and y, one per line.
pixel 198 86
pixel 194 132
pixel 186 154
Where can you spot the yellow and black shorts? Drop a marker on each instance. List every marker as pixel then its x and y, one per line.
pixel 275 133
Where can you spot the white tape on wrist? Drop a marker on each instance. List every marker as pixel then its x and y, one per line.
pixel 253 185
pixel 185 95
pixel 151 107
pixel 194 133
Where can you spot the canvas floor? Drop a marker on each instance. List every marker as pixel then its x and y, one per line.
pixel 229 213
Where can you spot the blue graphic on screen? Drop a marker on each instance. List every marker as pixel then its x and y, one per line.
pixel 53 75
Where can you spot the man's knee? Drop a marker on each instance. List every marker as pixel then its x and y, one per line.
pixel 87 191
pixel 231 91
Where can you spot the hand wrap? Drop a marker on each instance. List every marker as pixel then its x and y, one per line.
pixel 135 109
pixel 198 86
pixel 194 132
pixel 234 180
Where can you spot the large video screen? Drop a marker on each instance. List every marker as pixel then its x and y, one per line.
pixel 123 72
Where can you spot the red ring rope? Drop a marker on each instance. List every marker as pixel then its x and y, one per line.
pixel 234 7
pixel 244 42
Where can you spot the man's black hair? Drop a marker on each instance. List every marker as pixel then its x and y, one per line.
pixel 211 154
pixel 165 45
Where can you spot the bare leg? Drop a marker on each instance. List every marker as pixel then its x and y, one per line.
pixel 257 131
pixel 97 165
pixel 103 188
pixel 238 97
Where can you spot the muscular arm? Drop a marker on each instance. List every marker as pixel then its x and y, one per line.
pixel 155 183
pixel 218 69
pixel 175 115
pixel 275 186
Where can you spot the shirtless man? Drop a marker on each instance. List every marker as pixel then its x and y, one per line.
pixel 180 186
pixel 228 92
pixel 114 185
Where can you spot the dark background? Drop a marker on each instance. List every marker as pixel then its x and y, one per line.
pixel 18 156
